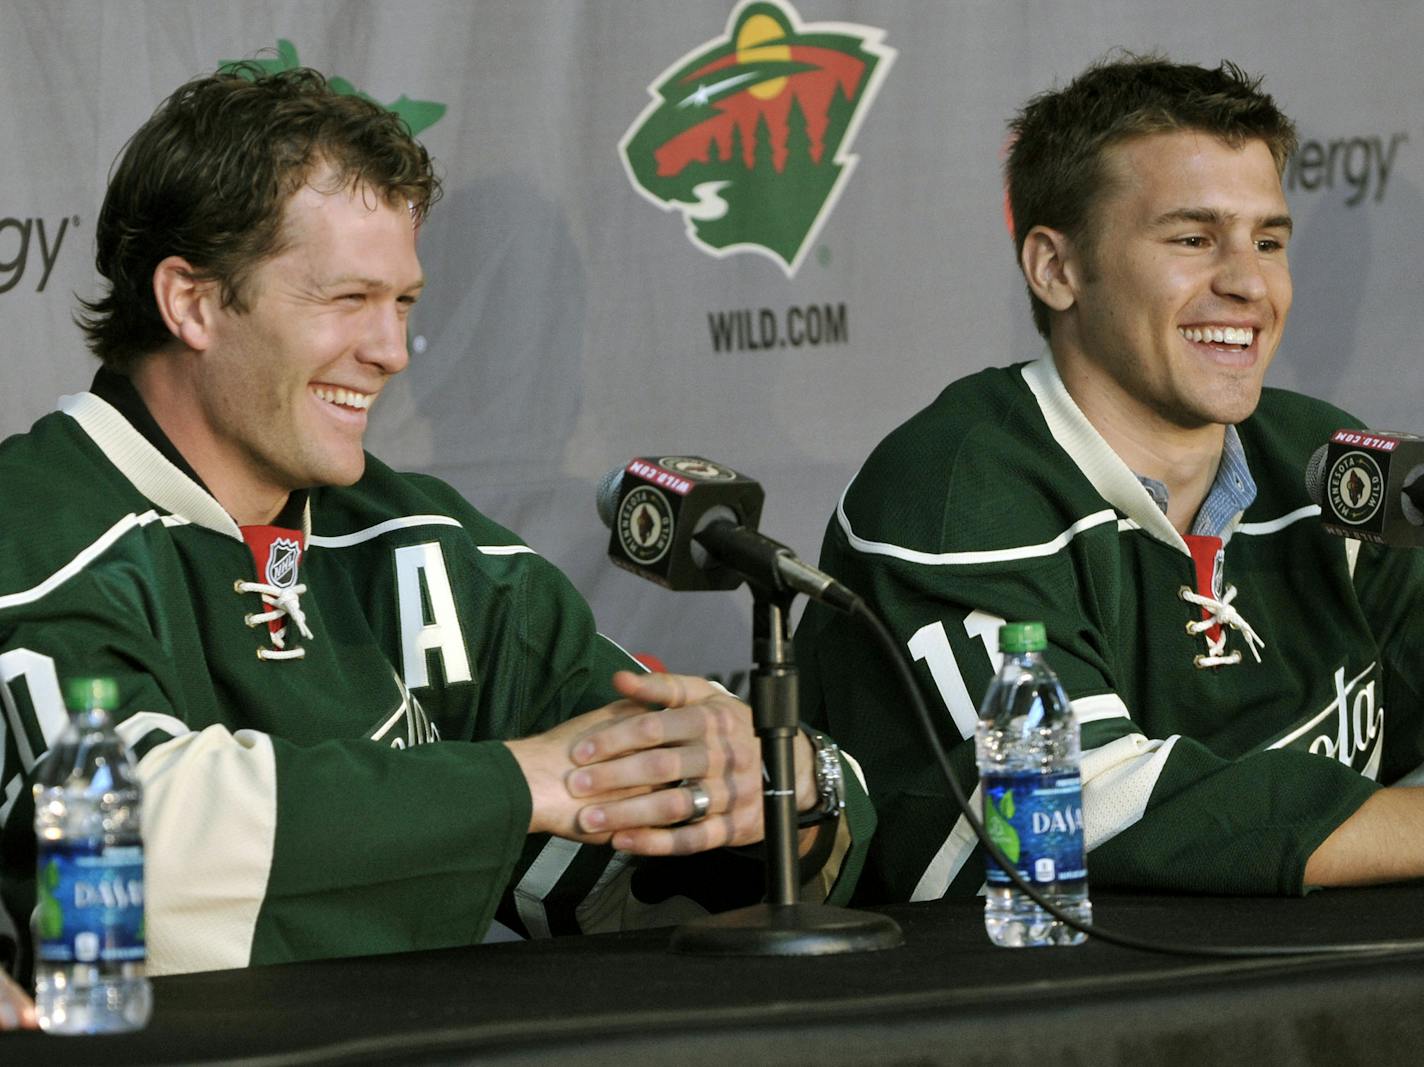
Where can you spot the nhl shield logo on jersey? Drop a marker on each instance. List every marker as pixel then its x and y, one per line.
pixel 282 559
pixel 748 135
pixel 1356 487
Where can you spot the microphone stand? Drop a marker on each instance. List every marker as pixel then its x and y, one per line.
pixel 781 925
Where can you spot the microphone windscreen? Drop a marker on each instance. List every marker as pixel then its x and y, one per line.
pixel 607 500
pixel 1315 476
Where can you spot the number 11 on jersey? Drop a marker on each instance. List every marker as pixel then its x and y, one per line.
pixel 931 644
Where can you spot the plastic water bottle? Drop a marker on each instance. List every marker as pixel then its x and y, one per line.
pixel 88 920
pixel 1026 745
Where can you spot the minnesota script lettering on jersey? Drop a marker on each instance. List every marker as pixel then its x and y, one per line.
pixel 1350 728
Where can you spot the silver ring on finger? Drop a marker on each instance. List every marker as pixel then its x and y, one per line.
pixel 701 802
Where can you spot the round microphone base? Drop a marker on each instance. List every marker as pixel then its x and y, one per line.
pixel 786 930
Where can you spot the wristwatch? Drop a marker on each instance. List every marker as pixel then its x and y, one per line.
pixel 830 780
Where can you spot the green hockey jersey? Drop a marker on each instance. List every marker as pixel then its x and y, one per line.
pixel 1238 701
pixel 280 689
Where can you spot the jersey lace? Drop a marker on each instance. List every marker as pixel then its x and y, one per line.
pixel 1220 615
pixel 281 604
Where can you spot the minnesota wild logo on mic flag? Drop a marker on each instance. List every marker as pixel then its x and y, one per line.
pixel 748 136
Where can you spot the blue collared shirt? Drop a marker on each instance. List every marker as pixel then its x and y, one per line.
pixel 1232 490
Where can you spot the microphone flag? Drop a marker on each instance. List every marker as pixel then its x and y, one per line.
pixel 655 505
pixel 1370 486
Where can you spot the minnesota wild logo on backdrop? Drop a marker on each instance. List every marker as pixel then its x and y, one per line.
pixel 749 135
pixel 418 114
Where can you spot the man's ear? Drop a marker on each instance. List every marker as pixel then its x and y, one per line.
pixel 1050 267
pixel 187 302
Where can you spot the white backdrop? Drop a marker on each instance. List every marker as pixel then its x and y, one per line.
pixel 566 325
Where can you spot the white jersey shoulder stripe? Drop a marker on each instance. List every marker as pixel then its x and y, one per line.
pixel 952 559
pixel 409 522
pixel 1271 526
pixel 380 529
pixel 85 557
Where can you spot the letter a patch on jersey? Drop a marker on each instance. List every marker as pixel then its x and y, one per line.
pixel 422 583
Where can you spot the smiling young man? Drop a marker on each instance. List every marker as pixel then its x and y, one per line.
pixel 1245 683
pixel 291 623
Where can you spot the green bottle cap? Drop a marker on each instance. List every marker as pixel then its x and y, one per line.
pixel 81 694
pixel 1022 637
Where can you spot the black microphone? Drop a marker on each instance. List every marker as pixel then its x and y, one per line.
pixel 1370 486
pixel 689 524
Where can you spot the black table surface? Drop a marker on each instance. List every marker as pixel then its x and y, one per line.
pixel 945 996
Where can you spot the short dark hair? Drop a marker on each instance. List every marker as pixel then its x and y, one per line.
pixel 208 178
pixel 1055 168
